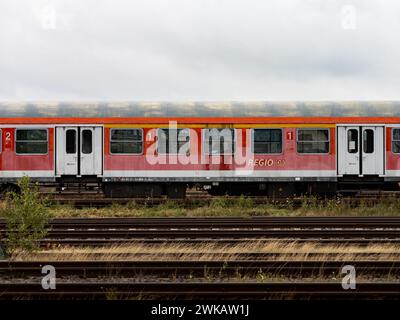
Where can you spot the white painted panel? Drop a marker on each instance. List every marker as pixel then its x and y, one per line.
pixel 348 151
pixel 91 163
pixel 67 163
pixel 59 151
pixel 91 158
pixel 372 163
pixel 392 173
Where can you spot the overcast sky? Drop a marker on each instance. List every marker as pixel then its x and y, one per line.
pixel 199 50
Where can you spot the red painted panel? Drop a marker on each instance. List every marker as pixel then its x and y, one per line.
pixel 392 159
pixel 11 161
pixel 288 160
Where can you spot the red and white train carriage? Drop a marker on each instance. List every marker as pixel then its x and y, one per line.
pixel 134 149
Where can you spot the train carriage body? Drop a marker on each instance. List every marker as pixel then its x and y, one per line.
pixel 157 148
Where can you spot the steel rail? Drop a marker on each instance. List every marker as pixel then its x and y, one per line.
pixel 223 233
pixel 51 243
pixel 164 268
pixel 191 290
pixel 225 222
pixel 119 230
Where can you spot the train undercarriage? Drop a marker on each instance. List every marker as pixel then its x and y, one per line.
pixel 177 190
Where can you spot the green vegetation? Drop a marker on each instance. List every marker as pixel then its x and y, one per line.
pixel 26 214
pixel 237 206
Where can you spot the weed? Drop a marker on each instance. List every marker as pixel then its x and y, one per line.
pixel 27 215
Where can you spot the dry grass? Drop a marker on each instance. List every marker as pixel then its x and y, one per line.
pixel 278 250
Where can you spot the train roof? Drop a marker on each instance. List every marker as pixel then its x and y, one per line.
pixel 199 109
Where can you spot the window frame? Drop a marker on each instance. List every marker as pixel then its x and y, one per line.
pixel 127 154
pixel 357 141
pixel 31 154
pixel 82 141
pixel 392 140
pixel 205 150
pixel 364 130
pixel 313 153
pixel 274 153
pixel 76 141
pixel 172 153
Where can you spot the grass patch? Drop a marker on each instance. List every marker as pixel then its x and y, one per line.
pixel 273 250
pixel 238 206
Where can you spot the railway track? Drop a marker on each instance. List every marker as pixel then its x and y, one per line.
pixel 200 290
pixel 103 231
pixel 122 279
pixel 177 268
pixel 195 198
pixel 248 275
pixel 228 222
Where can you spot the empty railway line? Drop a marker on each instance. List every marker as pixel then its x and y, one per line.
pixel 103 231
pixel 200 290
pixel 122 279
pixel 244 276
pixel 177 268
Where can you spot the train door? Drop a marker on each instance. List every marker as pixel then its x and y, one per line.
pixel 360 150
pixel 79 150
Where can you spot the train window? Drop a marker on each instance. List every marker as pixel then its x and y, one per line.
pixel 219 141
pixel 87 144
pixel 368 141
pixel 31 141
pixel 172 140
pixel 352 141
pixel 313 141
pixel 126 141
pixel 267 141
pixel 70 144
pixel 396 140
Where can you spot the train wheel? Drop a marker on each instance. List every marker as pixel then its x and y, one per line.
pixel 217 191
pixel 7 188
pixel 176 191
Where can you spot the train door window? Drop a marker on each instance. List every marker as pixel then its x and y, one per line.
pixel 31 141
pixel 313 141
pixel 172 140
pixel 87 141
pixel 396 140
pixel 219 141
pixel 126 141
pixel 352 141
pixel 368 141
pixel 266 141
pixel 70 141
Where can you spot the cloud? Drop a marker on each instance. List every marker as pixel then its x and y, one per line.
pixel 198 50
